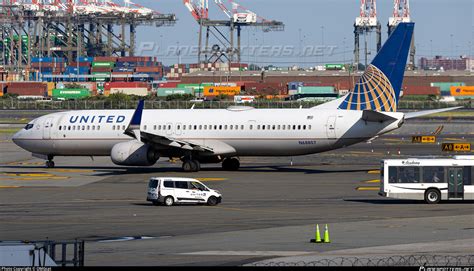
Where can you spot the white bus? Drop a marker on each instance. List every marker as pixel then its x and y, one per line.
pixel 429 179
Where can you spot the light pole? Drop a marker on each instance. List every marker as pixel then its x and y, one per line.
pixel 322 41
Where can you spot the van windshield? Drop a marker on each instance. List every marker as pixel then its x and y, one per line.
pixel 153 184
pixel 199 186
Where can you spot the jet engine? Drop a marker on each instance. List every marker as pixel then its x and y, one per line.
pixel 133 153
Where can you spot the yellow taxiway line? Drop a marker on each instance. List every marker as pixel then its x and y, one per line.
pixel 368 188
pixel 372 181
pixel 9 186
pixel 374 171
pixel 211 179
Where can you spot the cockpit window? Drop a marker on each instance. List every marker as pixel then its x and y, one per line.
pixel 29 126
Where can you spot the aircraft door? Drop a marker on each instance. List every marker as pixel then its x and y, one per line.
pixel 47 127
pixel 331 127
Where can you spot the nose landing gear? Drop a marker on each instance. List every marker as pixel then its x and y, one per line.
pixel 50 162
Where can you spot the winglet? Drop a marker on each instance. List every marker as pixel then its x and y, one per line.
pixel 133 128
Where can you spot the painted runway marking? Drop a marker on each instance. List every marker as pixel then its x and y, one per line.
pixel 69 170
pixel 9 186
pixel 367 188
pixel 35 178
pixel 211 179
pixel 374 171
pixel 372 181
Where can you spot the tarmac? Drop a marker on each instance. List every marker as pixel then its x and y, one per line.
pixel 269 211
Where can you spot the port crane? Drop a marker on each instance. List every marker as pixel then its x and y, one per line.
pixel 401 13
pixel 237 17
pixel 365 23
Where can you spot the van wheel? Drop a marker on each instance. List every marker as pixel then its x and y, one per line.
pixel 169 201
pixel 432 196
pixel 211 201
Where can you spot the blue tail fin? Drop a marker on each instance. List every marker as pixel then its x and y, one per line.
pixel 379 87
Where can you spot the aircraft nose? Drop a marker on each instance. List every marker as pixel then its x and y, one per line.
pixel 15 138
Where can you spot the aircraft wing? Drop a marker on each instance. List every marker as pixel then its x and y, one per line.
pixel 417 114
pixel 160 141
pixel 164 141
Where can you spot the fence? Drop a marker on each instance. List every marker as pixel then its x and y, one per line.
pixel 14 104
pixel 406 260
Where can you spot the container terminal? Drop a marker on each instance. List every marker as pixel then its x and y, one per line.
pixel 87 211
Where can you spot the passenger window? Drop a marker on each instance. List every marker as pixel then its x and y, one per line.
pixel 93 127
pixel 113 127
pixel 195 127
pixel 304 127
pixel 309 127
pixel 154 127
pixel 205 127
pixel 153 183
pixel 225 127
pixel 294 127
pixel 241 127
pixel 405 175
pixel 251 127
pixel 83 127
pixel 278 127
pixel 144 127
pixel 98 127
pixel 181 185
pixel 299 127
pixel 433 175
pixel 88 127
pixel 123 127
pixel 263 127
pixel 283 127
pixel 178 127
pixel 200 127
pixel 220 127
pixel 468 175
pixel 59 127
pixel 230 127
pixel 169 127
pixel 268 127
pixel 215 127
pixel 169 184
pixel 258 127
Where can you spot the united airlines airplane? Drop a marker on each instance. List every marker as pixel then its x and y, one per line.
pixel 140 137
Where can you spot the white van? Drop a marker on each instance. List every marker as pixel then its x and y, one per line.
pixel 171 190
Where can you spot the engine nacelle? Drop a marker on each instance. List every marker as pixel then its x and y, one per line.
pixel 133 153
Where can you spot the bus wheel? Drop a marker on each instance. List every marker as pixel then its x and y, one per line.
pixel 432 196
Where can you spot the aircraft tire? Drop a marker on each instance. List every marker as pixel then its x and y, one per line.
pixel 49 164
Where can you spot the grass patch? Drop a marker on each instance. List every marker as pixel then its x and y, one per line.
pixel 15 120
pixel 9 130
pixel 452 114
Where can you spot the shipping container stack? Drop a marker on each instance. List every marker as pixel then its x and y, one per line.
pixel 128 88
pixel 445 87
pixel 46 66
pixel 27 89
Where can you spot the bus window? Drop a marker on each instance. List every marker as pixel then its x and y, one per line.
pixel 392 175
pixel 468 175
pixel 408 175
pixel 433 175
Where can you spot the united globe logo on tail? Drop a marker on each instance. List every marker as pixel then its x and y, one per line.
pixel 378 89
pixel 373 91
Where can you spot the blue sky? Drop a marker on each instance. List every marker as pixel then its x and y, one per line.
pixel 443 27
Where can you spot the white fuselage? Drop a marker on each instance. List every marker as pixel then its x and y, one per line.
pixel 251 132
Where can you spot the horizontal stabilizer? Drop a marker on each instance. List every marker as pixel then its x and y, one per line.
pixel 417 114
pixel 374 116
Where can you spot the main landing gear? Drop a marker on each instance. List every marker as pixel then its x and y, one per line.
pixel 191 165
pixel 50 162
pixel 231 164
